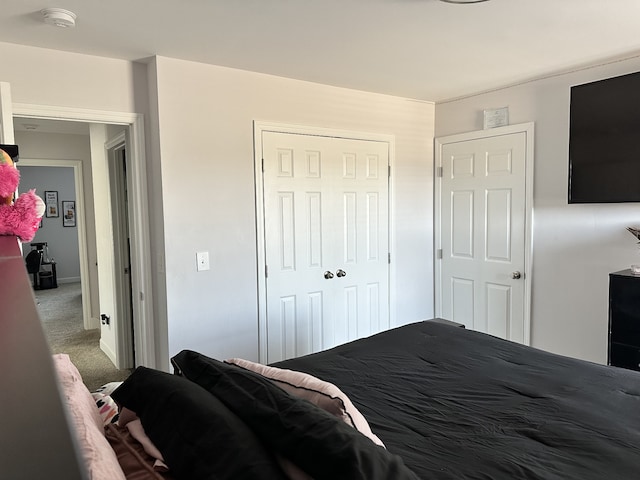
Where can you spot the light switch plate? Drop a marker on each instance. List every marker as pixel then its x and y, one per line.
pixel 202 261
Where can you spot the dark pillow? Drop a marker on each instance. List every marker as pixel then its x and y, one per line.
pixel 316 441
pixel 199 437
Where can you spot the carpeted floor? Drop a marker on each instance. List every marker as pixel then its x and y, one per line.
pixel 61 313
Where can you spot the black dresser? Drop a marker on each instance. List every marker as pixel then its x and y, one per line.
pixel 624 320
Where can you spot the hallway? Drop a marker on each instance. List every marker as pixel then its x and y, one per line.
pixel 61 314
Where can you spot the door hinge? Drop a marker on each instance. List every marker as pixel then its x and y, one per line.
pixel 266 271
pixel 389 171
pixel 262 165
pixel 439 254
pixel 389 258
pixel 439 172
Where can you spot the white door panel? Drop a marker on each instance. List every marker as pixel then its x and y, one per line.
pixel 482 233
pixel 326 241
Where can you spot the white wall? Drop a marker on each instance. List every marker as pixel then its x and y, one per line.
pixel 49 77
pixel 199 147
pixel 205 116
pixel 575 246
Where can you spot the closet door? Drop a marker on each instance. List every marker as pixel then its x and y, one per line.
pixel 326 241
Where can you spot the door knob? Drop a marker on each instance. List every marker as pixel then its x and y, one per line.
pixel 341 273
pixel 328 275
pixel 516 275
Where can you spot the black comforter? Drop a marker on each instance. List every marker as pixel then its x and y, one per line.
pixel 458 404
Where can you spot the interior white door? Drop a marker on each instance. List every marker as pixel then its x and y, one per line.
pixel 483 215
pixel 116 157
pixel 326 241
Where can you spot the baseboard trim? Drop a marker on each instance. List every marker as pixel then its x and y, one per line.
pixel 108 352
pixel 94 322
pixel 68 280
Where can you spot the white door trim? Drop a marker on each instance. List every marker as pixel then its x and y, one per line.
pixel 142 296
pixel 528 129
pixel 258 128
pixel 124 340
pixel 6 115
pixel 89 322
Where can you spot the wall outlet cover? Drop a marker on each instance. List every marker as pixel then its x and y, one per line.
pixel 202 261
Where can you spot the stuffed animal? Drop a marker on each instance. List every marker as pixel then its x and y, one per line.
pixel 22 217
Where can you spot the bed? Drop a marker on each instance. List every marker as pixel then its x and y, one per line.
pixel 422 401
pixel 459 404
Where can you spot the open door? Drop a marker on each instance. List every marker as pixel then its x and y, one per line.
pixel 112 257
pixel 116 157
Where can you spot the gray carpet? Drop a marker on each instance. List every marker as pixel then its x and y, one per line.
pixel 61 313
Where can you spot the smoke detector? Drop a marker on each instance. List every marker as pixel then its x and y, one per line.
pixel 59 17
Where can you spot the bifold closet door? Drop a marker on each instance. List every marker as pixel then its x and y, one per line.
pixel 326 241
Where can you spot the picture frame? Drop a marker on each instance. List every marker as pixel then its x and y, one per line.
pixel 68 213
pixel 51 203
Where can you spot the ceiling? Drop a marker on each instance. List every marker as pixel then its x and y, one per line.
pixel 421 49
pixel 39 125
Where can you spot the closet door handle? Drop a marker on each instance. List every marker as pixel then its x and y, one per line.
pixel 341 273
pixel 328 275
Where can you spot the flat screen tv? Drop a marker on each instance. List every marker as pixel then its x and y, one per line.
pixel 604 141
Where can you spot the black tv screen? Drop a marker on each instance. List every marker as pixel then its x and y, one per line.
pixel 604 141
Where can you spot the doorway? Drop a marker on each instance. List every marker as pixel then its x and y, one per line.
pixel 142 300
pixel 106 299
pixel 89 298
pixel 483 228
pixel 325 238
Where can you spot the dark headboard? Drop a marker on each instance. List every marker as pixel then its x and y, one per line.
pixel 35 438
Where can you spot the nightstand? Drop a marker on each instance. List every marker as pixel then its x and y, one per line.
pixel 624 320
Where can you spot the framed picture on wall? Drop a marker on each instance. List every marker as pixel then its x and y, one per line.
pixel 68 213
pixel 51 203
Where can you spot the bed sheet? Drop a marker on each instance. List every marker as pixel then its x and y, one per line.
pixel 459 404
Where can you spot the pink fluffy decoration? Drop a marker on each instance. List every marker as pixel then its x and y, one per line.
pixel 9 178
pixel 23 217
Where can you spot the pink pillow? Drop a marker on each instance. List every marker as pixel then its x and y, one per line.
pixel 84 419
pixel 130 420
pixel 323 394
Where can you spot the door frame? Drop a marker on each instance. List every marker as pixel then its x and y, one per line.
pixel 89 322
pixel 528 130
pixel 6 116
pixel 259 127
pixel 140 245
pixel 123 295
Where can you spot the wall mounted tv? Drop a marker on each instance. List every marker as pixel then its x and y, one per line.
pixel 604 141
